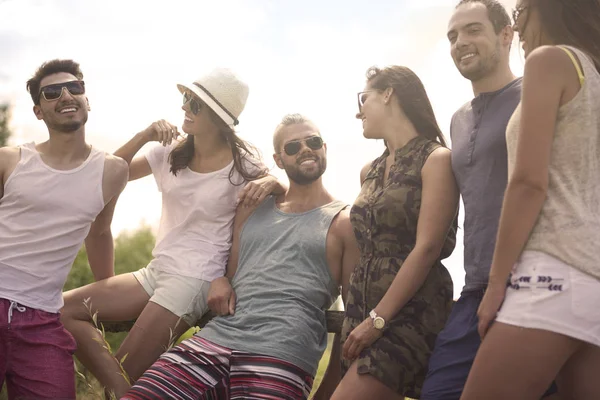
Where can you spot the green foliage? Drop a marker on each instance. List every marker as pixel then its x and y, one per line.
pixel 132 252
pixel 4 119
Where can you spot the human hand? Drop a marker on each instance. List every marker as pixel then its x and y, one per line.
pixel 161 131
pixel 221 297
pixel 256 191
pixel 363 336
pixel 489 306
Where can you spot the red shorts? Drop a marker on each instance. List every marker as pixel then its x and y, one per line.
pixel 36 354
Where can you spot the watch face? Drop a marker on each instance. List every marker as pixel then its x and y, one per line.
pixel 379 323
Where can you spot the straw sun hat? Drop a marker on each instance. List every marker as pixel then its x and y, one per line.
pixel 223 91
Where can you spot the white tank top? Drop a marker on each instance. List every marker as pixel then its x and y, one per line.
pixel 568 227
pixel 45 215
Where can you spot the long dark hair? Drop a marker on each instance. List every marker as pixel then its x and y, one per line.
pixel 571 22
pixel 412 97
pixel 242 151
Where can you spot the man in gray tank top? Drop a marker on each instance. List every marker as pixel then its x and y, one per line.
pixel 289 257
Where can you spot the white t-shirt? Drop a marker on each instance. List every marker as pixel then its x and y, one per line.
pixel 194 236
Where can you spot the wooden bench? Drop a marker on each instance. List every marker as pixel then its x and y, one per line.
pixel 334 322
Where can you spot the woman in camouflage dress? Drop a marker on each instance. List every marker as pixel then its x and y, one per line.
pixel 404 219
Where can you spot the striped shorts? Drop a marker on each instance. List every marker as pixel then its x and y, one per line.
pixel 199 369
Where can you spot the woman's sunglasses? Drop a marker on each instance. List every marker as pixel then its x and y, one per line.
pixel 53 92
pixel 292 148
pixel 362 97
pixel 195 104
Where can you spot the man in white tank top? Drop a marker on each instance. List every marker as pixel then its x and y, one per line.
pixel 54 196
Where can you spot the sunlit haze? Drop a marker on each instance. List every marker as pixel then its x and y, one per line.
pixel 303 56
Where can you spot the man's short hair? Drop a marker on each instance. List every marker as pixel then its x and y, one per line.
pixel 287 120
pixel 496 13
pixel 49 68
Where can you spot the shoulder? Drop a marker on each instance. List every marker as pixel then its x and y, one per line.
pixel 341 226
pixel 548 60
pixel 9 158
pixel 365 170
pixel 116 172
pixel 9 154
pixel 439 157
pixel 465 109
pixel 460 118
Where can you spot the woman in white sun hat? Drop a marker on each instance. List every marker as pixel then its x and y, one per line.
pixel 202 179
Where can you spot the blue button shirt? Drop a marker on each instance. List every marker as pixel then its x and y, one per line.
pixel 479 162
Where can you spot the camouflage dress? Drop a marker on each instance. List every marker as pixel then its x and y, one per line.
pixel 384 218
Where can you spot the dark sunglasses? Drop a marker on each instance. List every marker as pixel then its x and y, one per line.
pixel 292 148
pixel 53 92
pixel 195 104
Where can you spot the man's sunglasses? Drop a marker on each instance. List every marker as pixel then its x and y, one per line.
pixel 292 148
pixel 53 92
pixel 195 104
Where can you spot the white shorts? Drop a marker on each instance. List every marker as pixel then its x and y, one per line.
pixel 184 296
pixel 545 293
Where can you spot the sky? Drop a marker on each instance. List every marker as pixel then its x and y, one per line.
pixel 305 56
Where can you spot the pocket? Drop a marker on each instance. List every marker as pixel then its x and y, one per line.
pixel 585 296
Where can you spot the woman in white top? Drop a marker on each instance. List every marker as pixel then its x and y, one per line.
pixel 548 318
pixel 202 179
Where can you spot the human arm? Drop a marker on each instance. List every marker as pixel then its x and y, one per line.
pixel 351 252
pixel 348 258
pixel 160 131
pixel 439 205
pixel 221 297
pixel 549 81
pixel 99 241
pixel 257 190
pixel 9 158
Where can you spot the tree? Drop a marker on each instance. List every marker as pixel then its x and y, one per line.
pixel 4 119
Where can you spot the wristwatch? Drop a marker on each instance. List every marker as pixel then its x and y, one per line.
pixel 378 322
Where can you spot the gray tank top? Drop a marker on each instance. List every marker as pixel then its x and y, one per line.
pixel 283 287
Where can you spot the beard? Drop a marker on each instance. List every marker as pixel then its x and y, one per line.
pixel 295 173
pixel 66 127
pixel 483 67
pixel 53 121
